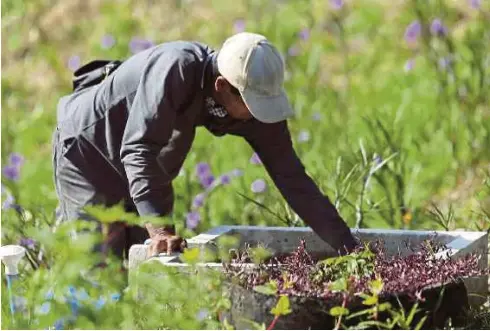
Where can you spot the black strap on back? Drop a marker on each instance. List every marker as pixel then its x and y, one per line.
pixel 93 73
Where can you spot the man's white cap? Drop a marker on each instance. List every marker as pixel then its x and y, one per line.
pixel 255 67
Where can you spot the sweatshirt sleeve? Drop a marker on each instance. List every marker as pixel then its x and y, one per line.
pixel 272 143
pixel 165 85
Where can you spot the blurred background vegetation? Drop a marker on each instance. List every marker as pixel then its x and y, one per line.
pixel 391 98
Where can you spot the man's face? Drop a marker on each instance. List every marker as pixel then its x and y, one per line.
pixel 231 100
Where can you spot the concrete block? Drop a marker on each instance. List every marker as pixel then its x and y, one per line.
pixel 284 240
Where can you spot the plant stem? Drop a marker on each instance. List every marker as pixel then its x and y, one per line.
pixel 273 323
pixel 344 303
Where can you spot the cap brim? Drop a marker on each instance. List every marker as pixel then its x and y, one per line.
pixel 268 109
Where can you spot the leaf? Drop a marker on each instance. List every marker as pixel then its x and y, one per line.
pixel 384 306
pixel 366 324
pixel 191 255
pixel 381 164
pixel 360 313
pixel 254 324
pixel 282 307
pixel 268 288
pixel 261 205
pixel 338 285
pixel 227 325
pixel 376 286
pixel 260 254
pixel 370 301
pixel 420 324
pixel 413 311
pixel 329 261
pixel 339 311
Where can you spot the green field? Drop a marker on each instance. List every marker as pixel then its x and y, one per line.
pixel 392 102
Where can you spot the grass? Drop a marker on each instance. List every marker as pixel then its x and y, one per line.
pixel 347 81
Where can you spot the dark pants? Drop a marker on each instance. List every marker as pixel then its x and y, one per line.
pixel 76 188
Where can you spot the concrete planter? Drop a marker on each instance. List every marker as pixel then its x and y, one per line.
pixel 284 240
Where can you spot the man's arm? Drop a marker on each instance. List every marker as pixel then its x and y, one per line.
pixel 165 85
pixel 272 142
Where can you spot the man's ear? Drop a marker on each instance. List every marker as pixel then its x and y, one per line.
pixel 221 84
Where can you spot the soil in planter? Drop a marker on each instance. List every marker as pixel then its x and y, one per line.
pixel 414 278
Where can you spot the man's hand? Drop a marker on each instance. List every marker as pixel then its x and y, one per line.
pixel 164 240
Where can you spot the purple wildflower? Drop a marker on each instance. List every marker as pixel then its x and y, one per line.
pixel 74 62
pixel 444 63
pixel 45 308
pixel 207 181
pixel 193 219
pixel 475 4
pixel 225 179
pixel 304 34
pixel 336 4
pixel 203 169
pixel 115 296
pixel 9 199
pixel 16 159
pixel 377 159
pixel 293 51
pixel 303 136
pixel 236 173
pixel 11 172
pixel 203 172
pixel 108 41
pixel 198 200
pixel 409 65
pixel 255 159
pixel 27 242
pixel 138 44
pixel 412 32
pixel 239 25
pixel 49 295
pixel 316 117
pixel 202 314
pixel 437 28
pixel 100 303
pixel 258 186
